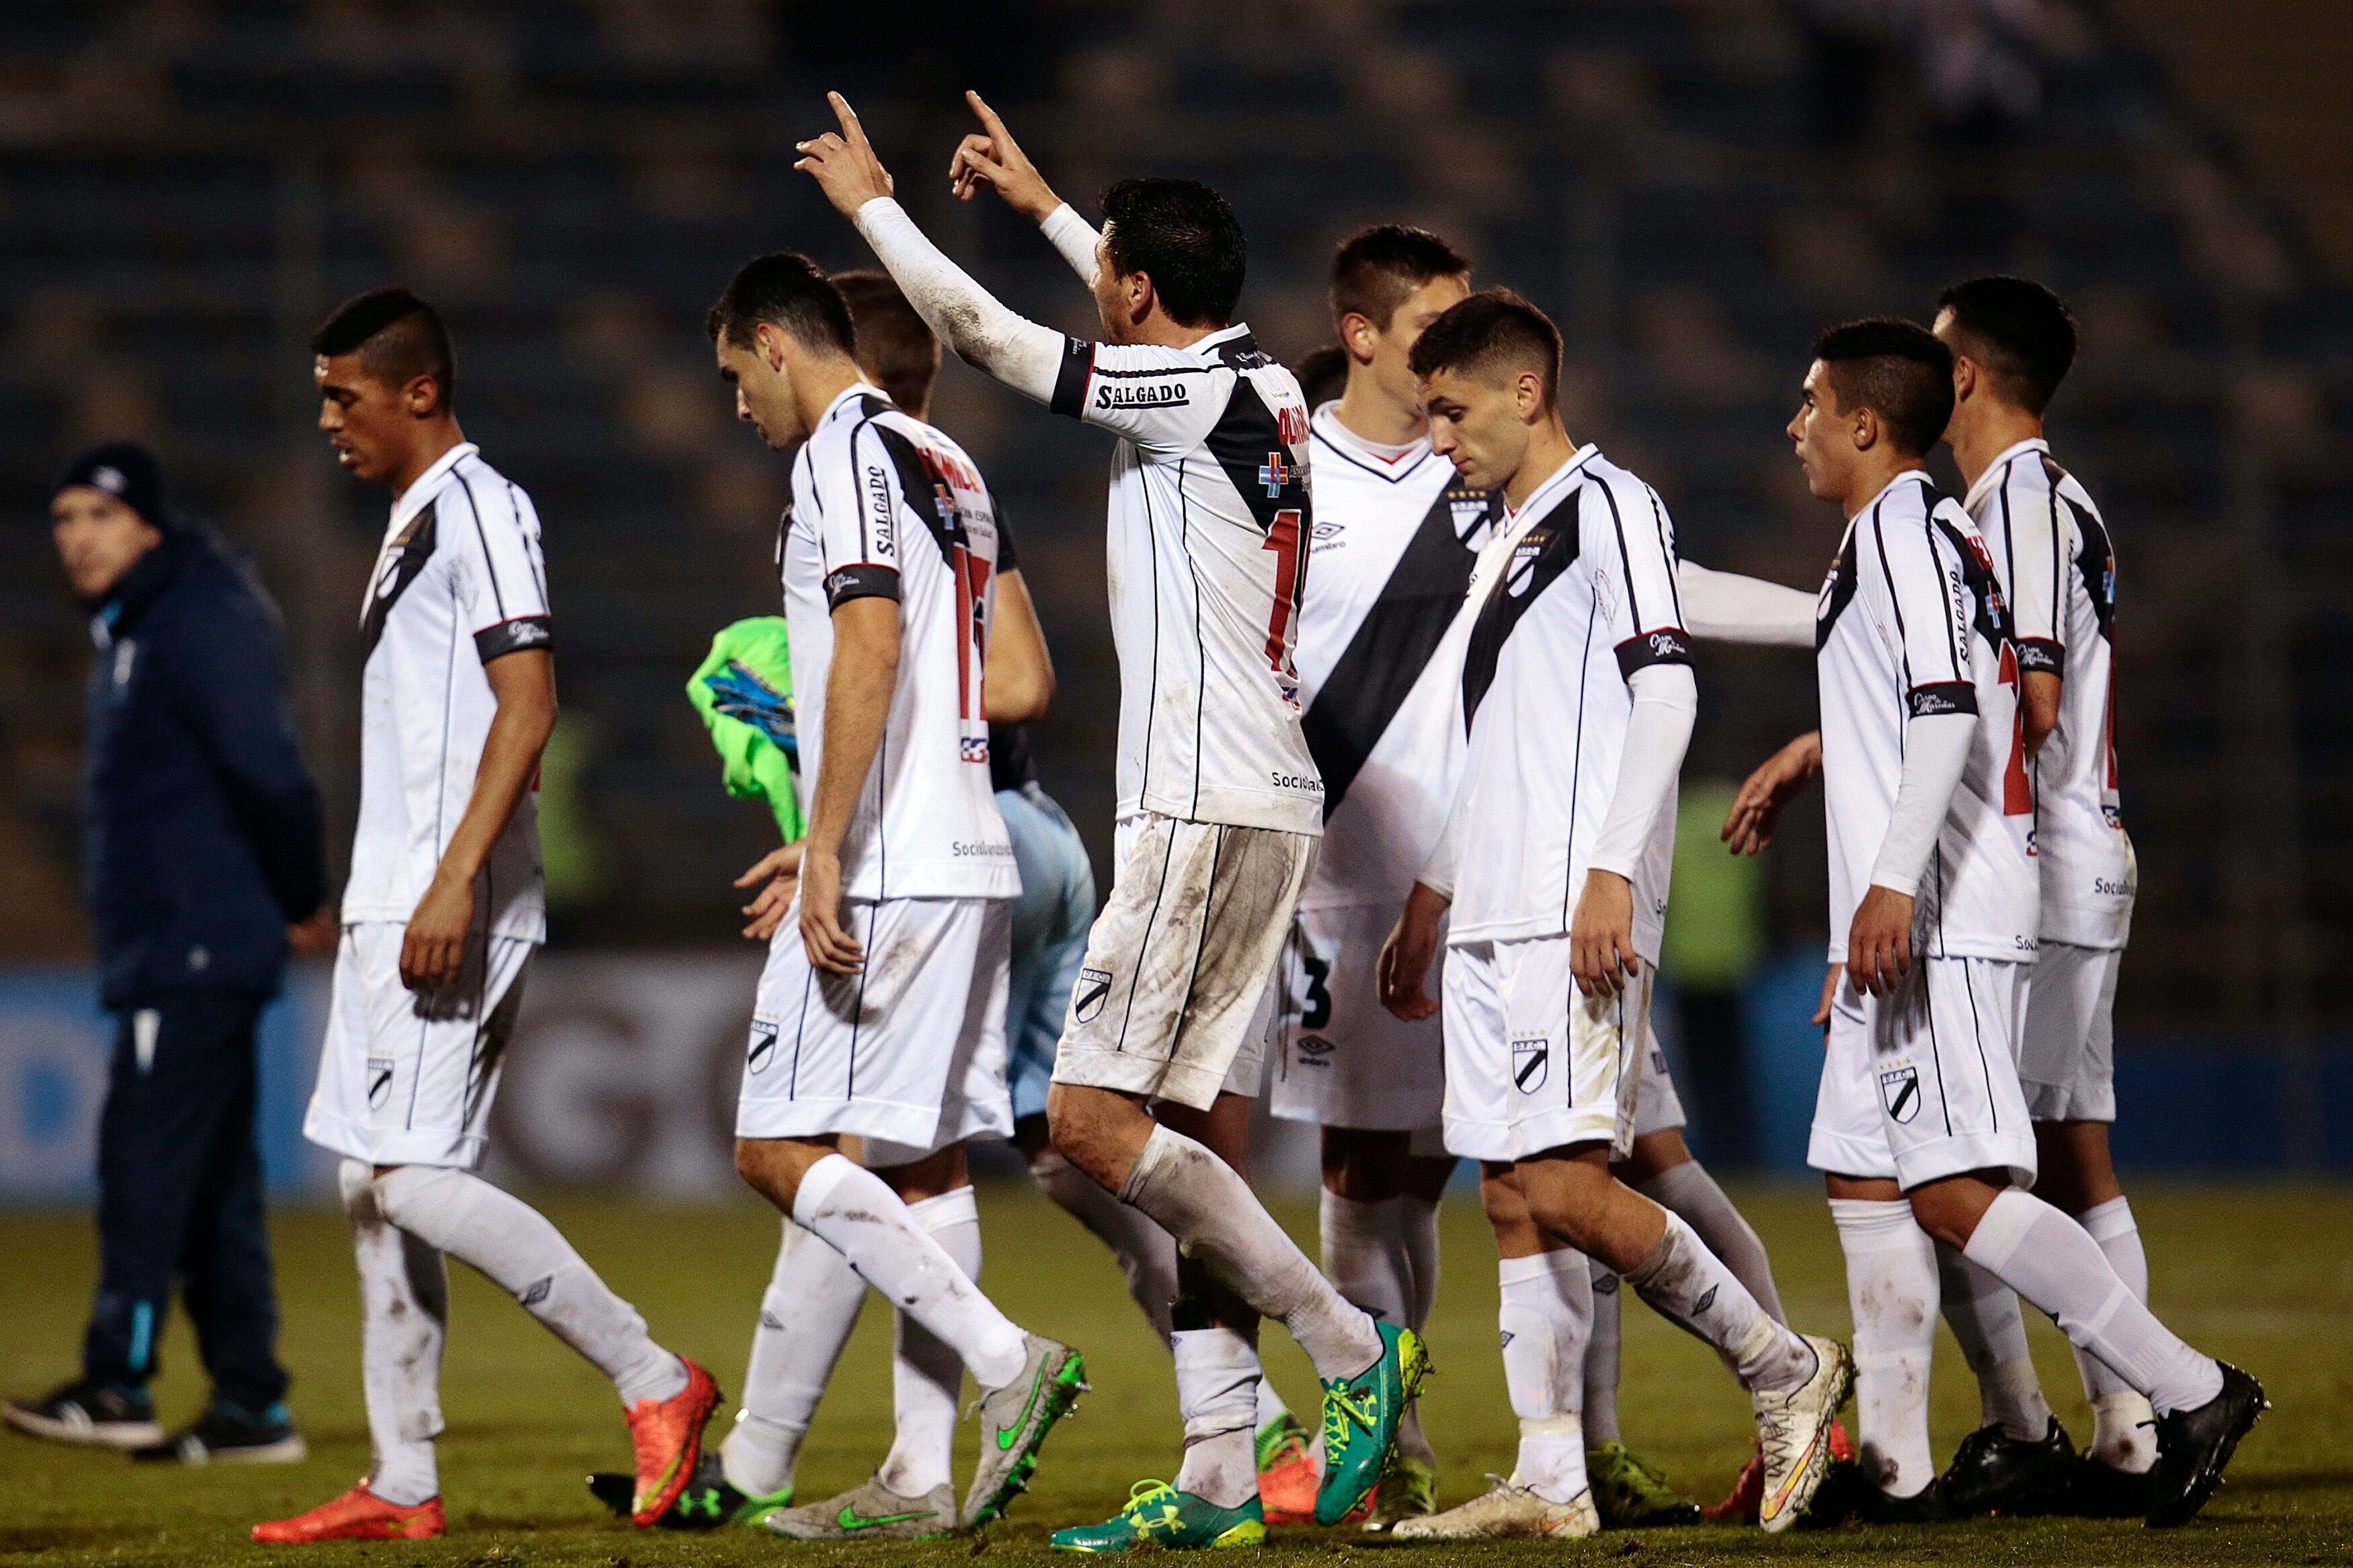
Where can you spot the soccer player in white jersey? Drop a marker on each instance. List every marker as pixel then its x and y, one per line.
pixel 1935 913
pixel 882 1011
pixel 1220 803
pixel 441 915
pixel 1578 700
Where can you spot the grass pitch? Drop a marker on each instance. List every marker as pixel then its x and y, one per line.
pixel 2263 1276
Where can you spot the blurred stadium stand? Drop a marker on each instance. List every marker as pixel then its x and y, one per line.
pixel 1693 186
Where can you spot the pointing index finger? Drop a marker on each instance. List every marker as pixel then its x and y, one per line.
pixel 988 118
pixel 852 131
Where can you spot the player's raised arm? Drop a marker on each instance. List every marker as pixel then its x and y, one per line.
pixel 991 157
pixel 1018 352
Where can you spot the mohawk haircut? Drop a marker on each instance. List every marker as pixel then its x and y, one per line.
pixel 1186 239
pixel 397 336
pixel 787 290
pixel 1494 330
pixel 1899 370
pixel 1321 374
pixel 2020 332
pixel 1375 269
pixel 895 348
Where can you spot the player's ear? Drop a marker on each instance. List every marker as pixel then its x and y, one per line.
pixel 1965 377
pixel 421 396
pixel 1357 335
pixel 1528 395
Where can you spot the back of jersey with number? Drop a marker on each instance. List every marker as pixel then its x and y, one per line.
pixel 1209 517
pixel 885 506
pixel 1912 622
pixel 2055 559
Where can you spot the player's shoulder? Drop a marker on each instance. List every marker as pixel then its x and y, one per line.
pixel 1616 485
pixel 482 501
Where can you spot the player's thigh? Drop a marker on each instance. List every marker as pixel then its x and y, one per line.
pixel 1478 1054
pixel 1943 1066
pixel 1339 1058
pixel 2066 1060
pixel 1572 1055
pixel 1848 1137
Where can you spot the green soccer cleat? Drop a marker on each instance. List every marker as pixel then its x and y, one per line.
pixel 708 1502
pixel 1630 1493
pixel 1014 1421
pixel 1408 1490
pixel 1360 1421
pixel 1158 1514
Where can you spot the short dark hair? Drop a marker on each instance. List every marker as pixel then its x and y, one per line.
pixel 2019 331
pixel 1321 374
pixel 895 348
pixel 1489 330
pixel 785 290
pixel 1375 269
pixel 1899 370
pixel 397 336
pixel 1187 240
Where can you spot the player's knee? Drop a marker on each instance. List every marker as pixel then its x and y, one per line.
pixel 356 1184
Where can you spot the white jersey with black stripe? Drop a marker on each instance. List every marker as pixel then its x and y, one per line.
pixel 1585 599
pixel 459 581
pixel 2055 558
pixel 885 506
pixel 1209 515
pixel 1912 622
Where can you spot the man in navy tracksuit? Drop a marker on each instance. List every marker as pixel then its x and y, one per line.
pixel 204 861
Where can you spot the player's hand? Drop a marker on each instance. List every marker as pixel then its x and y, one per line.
pixel 778 876
pixel 830 947
pixel 991 157
pixel 1879 945
pixel 844 165
pixel 1757 809
pixel 433 946
pixel 316 936
pixel 1821 1020
pixel 1403 968
pixel 1601 935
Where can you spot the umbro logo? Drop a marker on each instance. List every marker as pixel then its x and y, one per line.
pixel 537 1291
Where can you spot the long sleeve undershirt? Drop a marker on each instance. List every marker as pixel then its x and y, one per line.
pixel 1725 606
pixel 1935 750
pixel 984 333
pixel 1658 731
pixel 1075 237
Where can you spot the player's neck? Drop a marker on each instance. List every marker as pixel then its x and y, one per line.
pixel 1549 449
pixel 1373 416
pixel 1873 474
pixel 1985 434
pixel 816 383
pixel 434 443
pixel 1157 331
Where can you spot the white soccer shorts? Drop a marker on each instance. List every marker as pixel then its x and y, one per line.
pixel 1170 998
pixel 2067 1060
pixel 1657 1107
pixel 1924 1084
pixel 405 1077
pixel 908 1053
pixel 1531 1063
pixel 1339 1058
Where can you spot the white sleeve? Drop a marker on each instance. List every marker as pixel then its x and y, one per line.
pixel 1935 750
pixel 501 579
pixel 1438 871
pixel 1017 350
pixel 1075 237
pixel 1646 619
pixel 857 510
pixel 2038 542
pixel 1725 606
pixel 1163 399
pixel 1666 703
pixel 1924 585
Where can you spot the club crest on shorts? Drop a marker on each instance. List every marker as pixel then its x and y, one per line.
pixel 763 1048
pixel 1531 1063
pixel 1087 998
pixel 379 1080
pixel 1899 1091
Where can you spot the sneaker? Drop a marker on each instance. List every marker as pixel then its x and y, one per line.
pixel 1995 1473
pixel 1288 1474
pixel 667 1435
pixel 90 1413
pixel 1629 1493
pixel 709 1502
pixel 1360 1421
pixel 2194 1447
pixel 1158 1514
pixel 1408 1490
pixel 2099 1491
pixel 870 1512
pixel 358 1515
pixel 229 1434
pixel 1507 1510
pixel 1014 1421
pixel 1793 1429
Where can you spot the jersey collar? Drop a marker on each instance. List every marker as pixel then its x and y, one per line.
pixel 1545 494
pixel 1994 470
pixel 427 485
pixel 851 393
pixel 1390 465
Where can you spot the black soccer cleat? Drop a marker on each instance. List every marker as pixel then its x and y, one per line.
pixel 708 1502
pixel 89 1412
pixel 1849 1497
pixel 2098 1491
pixel 228 1434
pixel 1995 1473
pixel 2194 1447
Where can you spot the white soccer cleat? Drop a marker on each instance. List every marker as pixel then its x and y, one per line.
pixel 1507 1512
pixel 1794 1430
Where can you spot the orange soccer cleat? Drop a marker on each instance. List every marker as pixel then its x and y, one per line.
pixel 358 1515
pixel 1740 1505
pixel 668 1437
pixel 1288 1474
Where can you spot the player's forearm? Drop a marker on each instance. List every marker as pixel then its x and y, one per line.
pixel 858 691
pixel 1019 353
pixel 1075 237
pixel 511 752
pixel 1725 606
pixel 1018 680
pixel 2037 705
pixel 1658 733
pixel 1935 753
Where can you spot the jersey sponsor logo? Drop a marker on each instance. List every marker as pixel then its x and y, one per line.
pixel 763 1048
pixel 975 748
pixel 2111 886
pixel 1531 1063
pixel 1141 395
pixel 1291 424
pixel 1299 782
pixel 1274 474
pixel 983 851
pixel 379 1082
pixel 1899 1091
pixel 886 516
pixel 1088 997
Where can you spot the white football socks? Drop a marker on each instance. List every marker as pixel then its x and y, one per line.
pixel 2124 1424
pixel 1271 1406
pixel 1147 1257
pixel 855 1212
pixel 1602 1353
pixel 1369 1258
pixel 1983 1314
pixel 1418 1223
pixel 1690 1286
pixel 1205 1204
pixel 403 1321
pixel 927 1375
pixel 2054 1262
pixel 1891 1291
pixel 1547 1310
pixel 1688 1190
pixel 807 1314
pixel 1218 1377
pixel 518 1249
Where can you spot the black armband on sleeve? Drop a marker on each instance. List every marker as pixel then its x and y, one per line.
pixel 1941 696
pixel 863 581
pixel 2042 654
pixel 1667 645
pixel 1071 380
pixel 514 636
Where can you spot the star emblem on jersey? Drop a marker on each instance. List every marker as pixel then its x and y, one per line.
pixel 1531 1063
pixel 1899 1091
pixel 1274 474
pixel 1094 989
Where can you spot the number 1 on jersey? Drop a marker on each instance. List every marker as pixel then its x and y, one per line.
pixel 1290 582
